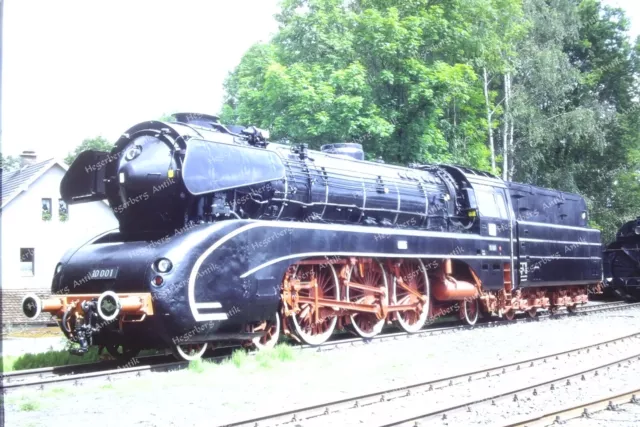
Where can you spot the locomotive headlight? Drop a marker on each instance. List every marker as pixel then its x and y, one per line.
pixel 637 230
pixel 163 265
pixel 583 215
pixel 133 153
pixel 58 268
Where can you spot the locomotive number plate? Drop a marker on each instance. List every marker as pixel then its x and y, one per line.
pixel 104 273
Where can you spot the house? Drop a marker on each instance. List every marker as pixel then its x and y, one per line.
pixel 37 228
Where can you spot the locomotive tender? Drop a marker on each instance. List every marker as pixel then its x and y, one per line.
pixel 226 237
pixel 622 261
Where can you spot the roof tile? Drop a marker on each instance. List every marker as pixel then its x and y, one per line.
pixel 13 181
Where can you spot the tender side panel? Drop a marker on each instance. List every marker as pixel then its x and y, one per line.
pixel 555 247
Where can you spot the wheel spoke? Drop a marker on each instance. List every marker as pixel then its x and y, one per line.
pixel 367 325
pixel 189 352
pixel 471 311
pixel 271 335
pixel 304 322
pixel 414 276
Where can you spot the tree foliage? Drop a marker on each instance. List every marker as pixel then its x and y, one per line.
pixel 545 89
pixel 9 163
pixel 400 79
pixel 98 143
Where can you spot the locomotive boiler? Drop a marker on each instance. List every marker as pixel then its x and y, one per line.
pixel 225 237
pixel 622 261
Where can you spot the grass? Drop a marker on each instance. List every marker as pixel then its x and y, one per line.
pixel 269 358
pixel 47 359
pixel 53 358
pixel 55 392
pixel 239 358
pixel 8 362
pixel 29 406
pixel 198 366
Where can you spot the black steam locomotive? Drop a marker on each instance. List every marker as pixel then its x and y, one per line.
pixel 622 261
pixel 226 237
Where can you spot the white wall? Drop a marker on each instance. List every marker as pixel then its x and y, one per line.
pixel 23 227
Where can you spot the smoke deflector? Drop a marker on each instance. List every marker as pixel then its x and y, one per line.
pixel 212 166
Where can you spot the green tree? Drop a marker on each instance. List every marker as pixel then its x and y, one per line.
pixel 576 109
pixel 399 78
pixel 543 91
pixel 166 117
pixel 98 143
pixel 9 163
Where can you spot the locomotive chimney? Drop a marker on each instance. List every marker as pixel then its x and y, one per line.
pixel 27 158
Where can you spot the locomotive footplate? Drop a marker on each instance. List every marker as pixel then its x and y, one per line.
pixel 83 316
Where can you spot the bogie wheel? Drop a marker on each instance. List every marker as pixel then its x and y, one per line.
pixel 122 353
pixel 414 276
pixel 271 334
pixel 471 310
pixel 510 315
pixel 367 325
pixel 532 312
pixel 189 352
pixel 310 329
pixel 572 308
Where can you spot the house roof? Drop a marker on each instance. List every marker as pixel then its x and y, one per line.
pixel 15 182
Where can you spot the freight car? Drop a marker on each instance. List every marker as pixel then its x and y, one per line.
pixel 226 237
pixel 622 261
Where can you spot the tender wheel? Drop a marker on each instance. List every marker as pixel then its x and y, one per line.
pixel 271 335
pixel 367 325
pixel 532 312
pixel 510 315
pixel 572 308
pixel 304 323
pixel 122 353
pixel 189 352
pixel 414 276
pixel 471 310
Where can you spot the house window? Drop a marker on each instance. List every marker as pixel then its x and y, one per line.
pixel 26 262
pixel 46 209
pixel 63 210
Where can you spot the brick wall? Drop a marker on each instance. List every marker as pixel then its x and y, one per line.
pixel 12 307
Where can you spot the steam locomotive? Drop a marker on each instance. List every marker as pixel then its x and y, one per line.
pixel 622 261
pixel 225 237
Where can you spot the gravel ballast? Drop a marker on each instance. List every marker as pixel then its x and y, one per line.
pixel 226 393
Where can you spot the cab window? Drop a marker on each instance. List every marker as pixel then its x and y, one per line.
pixel 502 206
pixel 487 203
pixel 492 204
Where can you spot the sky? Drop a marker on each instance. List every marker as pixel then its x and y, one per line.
pixel 76 69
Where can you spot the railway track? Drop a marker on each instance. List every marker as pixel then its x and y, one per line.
pixel 417 404
pixel 40 379
pixel 17 377
pixel 431 331
pixel 581 410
